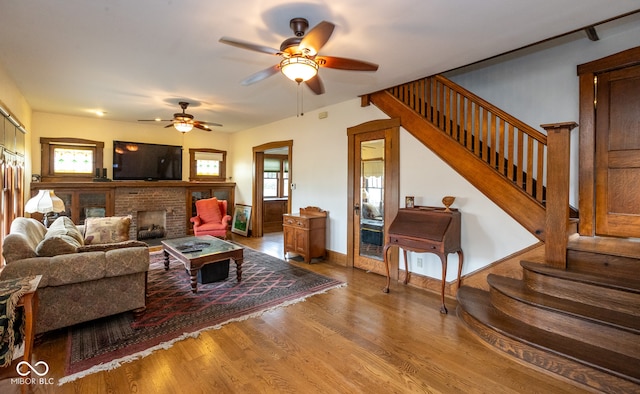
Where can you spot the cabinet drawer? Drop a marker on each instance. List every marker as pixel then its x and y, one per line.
pixel 415 244
pixel 296 222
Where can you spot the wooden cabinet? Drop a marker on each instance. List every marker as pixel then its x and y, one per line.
pixel 273 209
pixel 305 233
pixel 80 203
pixel 221 191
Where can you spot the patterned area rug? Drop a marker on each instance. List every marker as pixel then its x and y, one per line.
pixel 175 313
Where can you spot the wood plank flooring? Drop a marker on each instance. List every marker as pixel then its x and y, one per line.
pixel 355 339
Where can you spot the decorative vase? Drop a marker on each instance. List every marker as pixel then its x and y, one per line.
pixel 447 201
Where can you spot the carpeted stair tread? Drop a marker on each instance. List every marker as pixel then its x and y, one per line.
pixel 477 303
pixel 517 289
pixel 624 284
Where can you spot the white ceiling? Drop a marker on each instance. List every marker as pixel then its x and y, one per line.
pixel 135 59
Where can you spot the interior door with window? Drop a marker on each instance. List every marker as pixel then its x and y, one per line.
pixel 373 192
pixel 369 218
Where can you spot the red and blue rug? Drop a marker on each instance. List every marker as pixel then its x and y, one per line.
pixel 175 313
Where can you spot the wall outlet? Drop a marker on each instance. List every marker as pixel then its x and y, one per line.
pixel 419 262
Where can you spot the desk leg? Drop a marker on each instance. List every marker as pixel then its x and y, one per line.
pixel 460 258
pixel 443 308
pixel 406 267
pixel 386 265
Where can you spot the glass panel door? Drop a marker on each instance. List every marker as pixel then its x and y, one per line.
pixel 372 198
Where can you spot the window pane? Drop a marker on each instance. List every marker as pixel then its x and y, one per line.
pixel 75 161
pixel 270 187
pixel 208 167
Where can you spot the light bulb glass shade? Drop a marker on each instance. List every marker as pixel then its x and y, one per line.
pixel 183 127
pixel 44 202
pixel 299 68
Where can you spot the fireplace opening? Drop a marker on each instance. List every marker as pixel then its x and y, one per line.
pixel 151 224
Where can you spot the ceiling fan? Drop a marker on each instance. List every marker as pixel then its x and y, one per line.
pixel 184 122
pixel 300 59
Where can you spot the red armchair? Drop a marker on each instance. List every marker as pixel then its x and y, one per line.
pixel 211 218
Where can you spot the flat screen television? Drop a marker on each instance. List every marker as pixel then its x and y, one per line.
pixel 135 161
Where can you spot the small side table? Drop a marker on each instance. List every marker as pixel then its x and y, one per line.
pixel 29 301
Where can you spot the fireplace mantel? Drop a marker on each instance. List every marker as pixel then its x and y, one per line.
pixel 122 198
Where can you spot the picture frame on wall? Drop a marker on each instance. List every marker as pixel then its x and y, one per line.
pixel 409 202
pixel 241 219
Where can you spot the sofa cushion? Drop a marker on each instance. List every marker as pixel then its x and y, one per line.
pixel 57 245
pixel 106 230
pixel 64 226
pixel 23 239
pixel 76 268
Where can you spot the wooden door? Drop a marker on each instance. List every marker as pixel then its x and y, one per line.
pixel 372 192
pixel 617 158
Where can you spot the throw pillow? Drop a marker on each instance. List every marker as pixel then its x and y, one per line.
pixel 106 230
pixel 209 210
pixel 57 245
pixel 64 226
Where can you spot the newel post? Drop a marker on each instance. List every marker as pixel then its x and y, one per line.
pixel 557 204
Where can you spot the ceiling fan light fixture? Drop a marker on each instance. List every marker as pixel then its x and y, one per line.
pixel 183 126
pixel 299 68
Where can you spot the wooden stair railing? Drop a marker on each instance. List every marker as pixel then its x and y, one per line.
pixel 499 154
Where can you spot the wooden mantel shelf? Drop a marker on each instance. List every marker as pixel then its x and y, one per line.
pixel 123 184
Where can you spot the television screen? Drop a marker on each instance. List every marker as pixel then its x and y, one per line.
pixel 149 162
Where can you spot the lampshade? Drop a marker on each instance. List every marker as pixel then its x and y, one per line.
pixel 299 68
pixel 183 126
pixel 45 202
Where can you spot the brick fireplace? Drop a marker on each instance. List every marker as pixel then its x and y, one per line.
pixel 163 206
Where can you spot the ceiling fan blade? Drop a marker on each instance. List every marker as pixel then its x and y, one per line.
pixel 201 127
pixel 206 124
pixel 249 46
pixel 317 37
pixel 154 120
pixel 343 63
pixel 260 75
pixel 169 125
pixel 316 85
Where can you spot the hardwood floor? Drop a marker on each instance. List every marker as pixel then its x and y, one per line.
pixel 355 339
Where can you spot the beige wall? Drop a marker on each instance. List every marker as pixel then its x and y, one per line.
pixel 101 129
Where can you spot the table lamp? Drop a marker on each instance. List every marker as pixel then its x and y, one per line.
pixel 45 202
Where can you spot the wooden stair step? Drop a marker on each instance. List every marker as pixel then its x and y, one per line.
pixel 604 256
pixel 518 290
pixel 617 294
pixel 582 362
pixel 624 284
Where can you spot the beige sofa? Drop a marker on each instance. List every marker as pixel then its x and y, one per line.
pixel 80 282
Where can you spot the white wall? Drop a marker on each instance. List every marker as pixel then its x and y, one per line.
pixel 319 169
pixel 540 85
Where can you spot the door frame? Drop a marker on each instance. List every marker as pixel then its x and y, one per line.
pixel 587 137
pixel 257 222
pixel 391 183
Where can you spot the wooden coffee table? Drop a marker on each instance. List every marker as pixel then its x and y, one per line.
pixel 196 252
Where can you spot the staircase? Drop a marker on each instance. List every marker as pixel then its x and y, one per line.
pixel 577 315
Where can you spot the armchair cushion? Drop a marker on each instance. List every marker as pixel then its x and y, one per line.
pixel 209 210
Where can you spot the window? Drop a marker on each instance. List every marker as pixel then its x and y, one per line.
pixel 71 159
pixel 276 176
pixel 207 165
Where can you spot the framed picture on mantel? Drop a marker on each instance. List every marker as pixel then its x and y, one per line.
pixel 241 219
